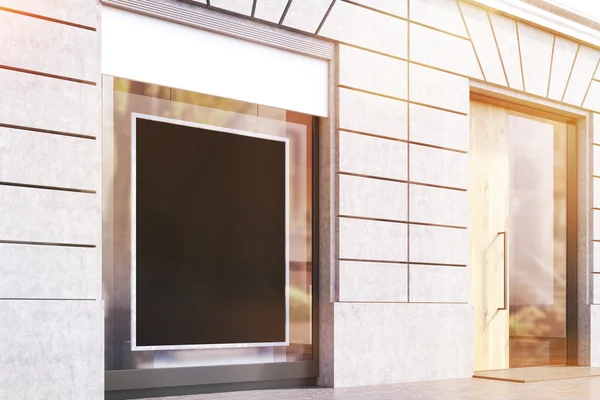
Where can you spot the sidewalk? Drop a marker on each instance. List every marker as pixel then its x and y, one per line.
pixel 463 389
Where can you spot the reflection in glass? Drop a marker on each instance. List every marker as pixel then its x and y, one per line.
pixel 128 97
pixel 537 242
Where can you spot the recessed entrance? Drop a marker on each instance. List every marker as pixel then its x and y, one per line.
pixel 523 264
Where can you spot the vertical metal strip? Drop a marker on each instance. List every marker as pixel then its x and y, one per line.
pixel 572 247
pixel 107 208
pixel 585 260
pixel 334 168
pixel 316 239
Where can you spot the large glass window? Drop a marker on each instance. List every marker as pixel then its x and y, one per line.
pixel 207 230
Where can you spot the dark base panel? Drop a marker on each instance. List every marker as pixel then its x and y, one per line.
pixel 215 388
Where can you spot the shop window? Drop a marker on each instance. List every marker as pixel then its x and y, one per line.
pixel 208 230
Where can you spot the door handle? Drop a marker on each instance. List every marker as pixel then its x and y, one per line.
pixel 505 306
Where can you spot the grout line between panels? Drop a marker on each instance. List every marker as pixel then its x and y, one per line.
pixel 400 302
pixel 433 28
pixel 49 19
pixel 355 46
pixel 562 99
pixel 50 244
pixel 48 131
pixel 402 181
pixel 398 221
pixel 551 65
pixel 470 39
pixel 590 85
pixel 325 17
pixel 373 261
pixel 498 49
pixel 423 264
pixel 520 54
pixel 379 11
pixel 43 187
pixel 393 139
pixel 408 100
pixel 387 96
pixel 47 75
pixel 42 299
pixel 429 264
pixel 285 11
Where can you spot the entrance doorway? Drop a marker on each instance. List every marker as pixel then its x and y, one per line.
pixel 523 266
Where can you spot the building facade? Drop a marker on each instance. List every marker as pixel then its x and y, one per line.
pixel 397 269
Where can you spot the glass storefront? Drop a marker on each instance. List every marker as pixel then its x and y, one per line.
pixel 128 99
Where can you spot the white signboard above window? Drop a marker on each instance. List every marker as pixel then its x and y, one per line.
pixel 156 51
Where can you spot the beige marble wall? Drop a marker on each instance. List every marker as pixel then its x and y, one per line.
pixel 394 162
pixel 397 279
pixel 402 203
pixel 384 343
pixel 51 313
pixel 595 333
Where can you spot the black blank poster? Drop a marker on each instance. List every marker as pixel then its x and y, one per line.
pixel 211 237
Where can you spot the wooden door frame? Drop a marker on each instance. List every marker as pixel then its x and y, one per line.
pixel 579 204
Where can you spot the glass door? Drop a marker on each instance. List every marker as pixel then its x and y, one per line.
pixel 518 229
pixel 537 239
